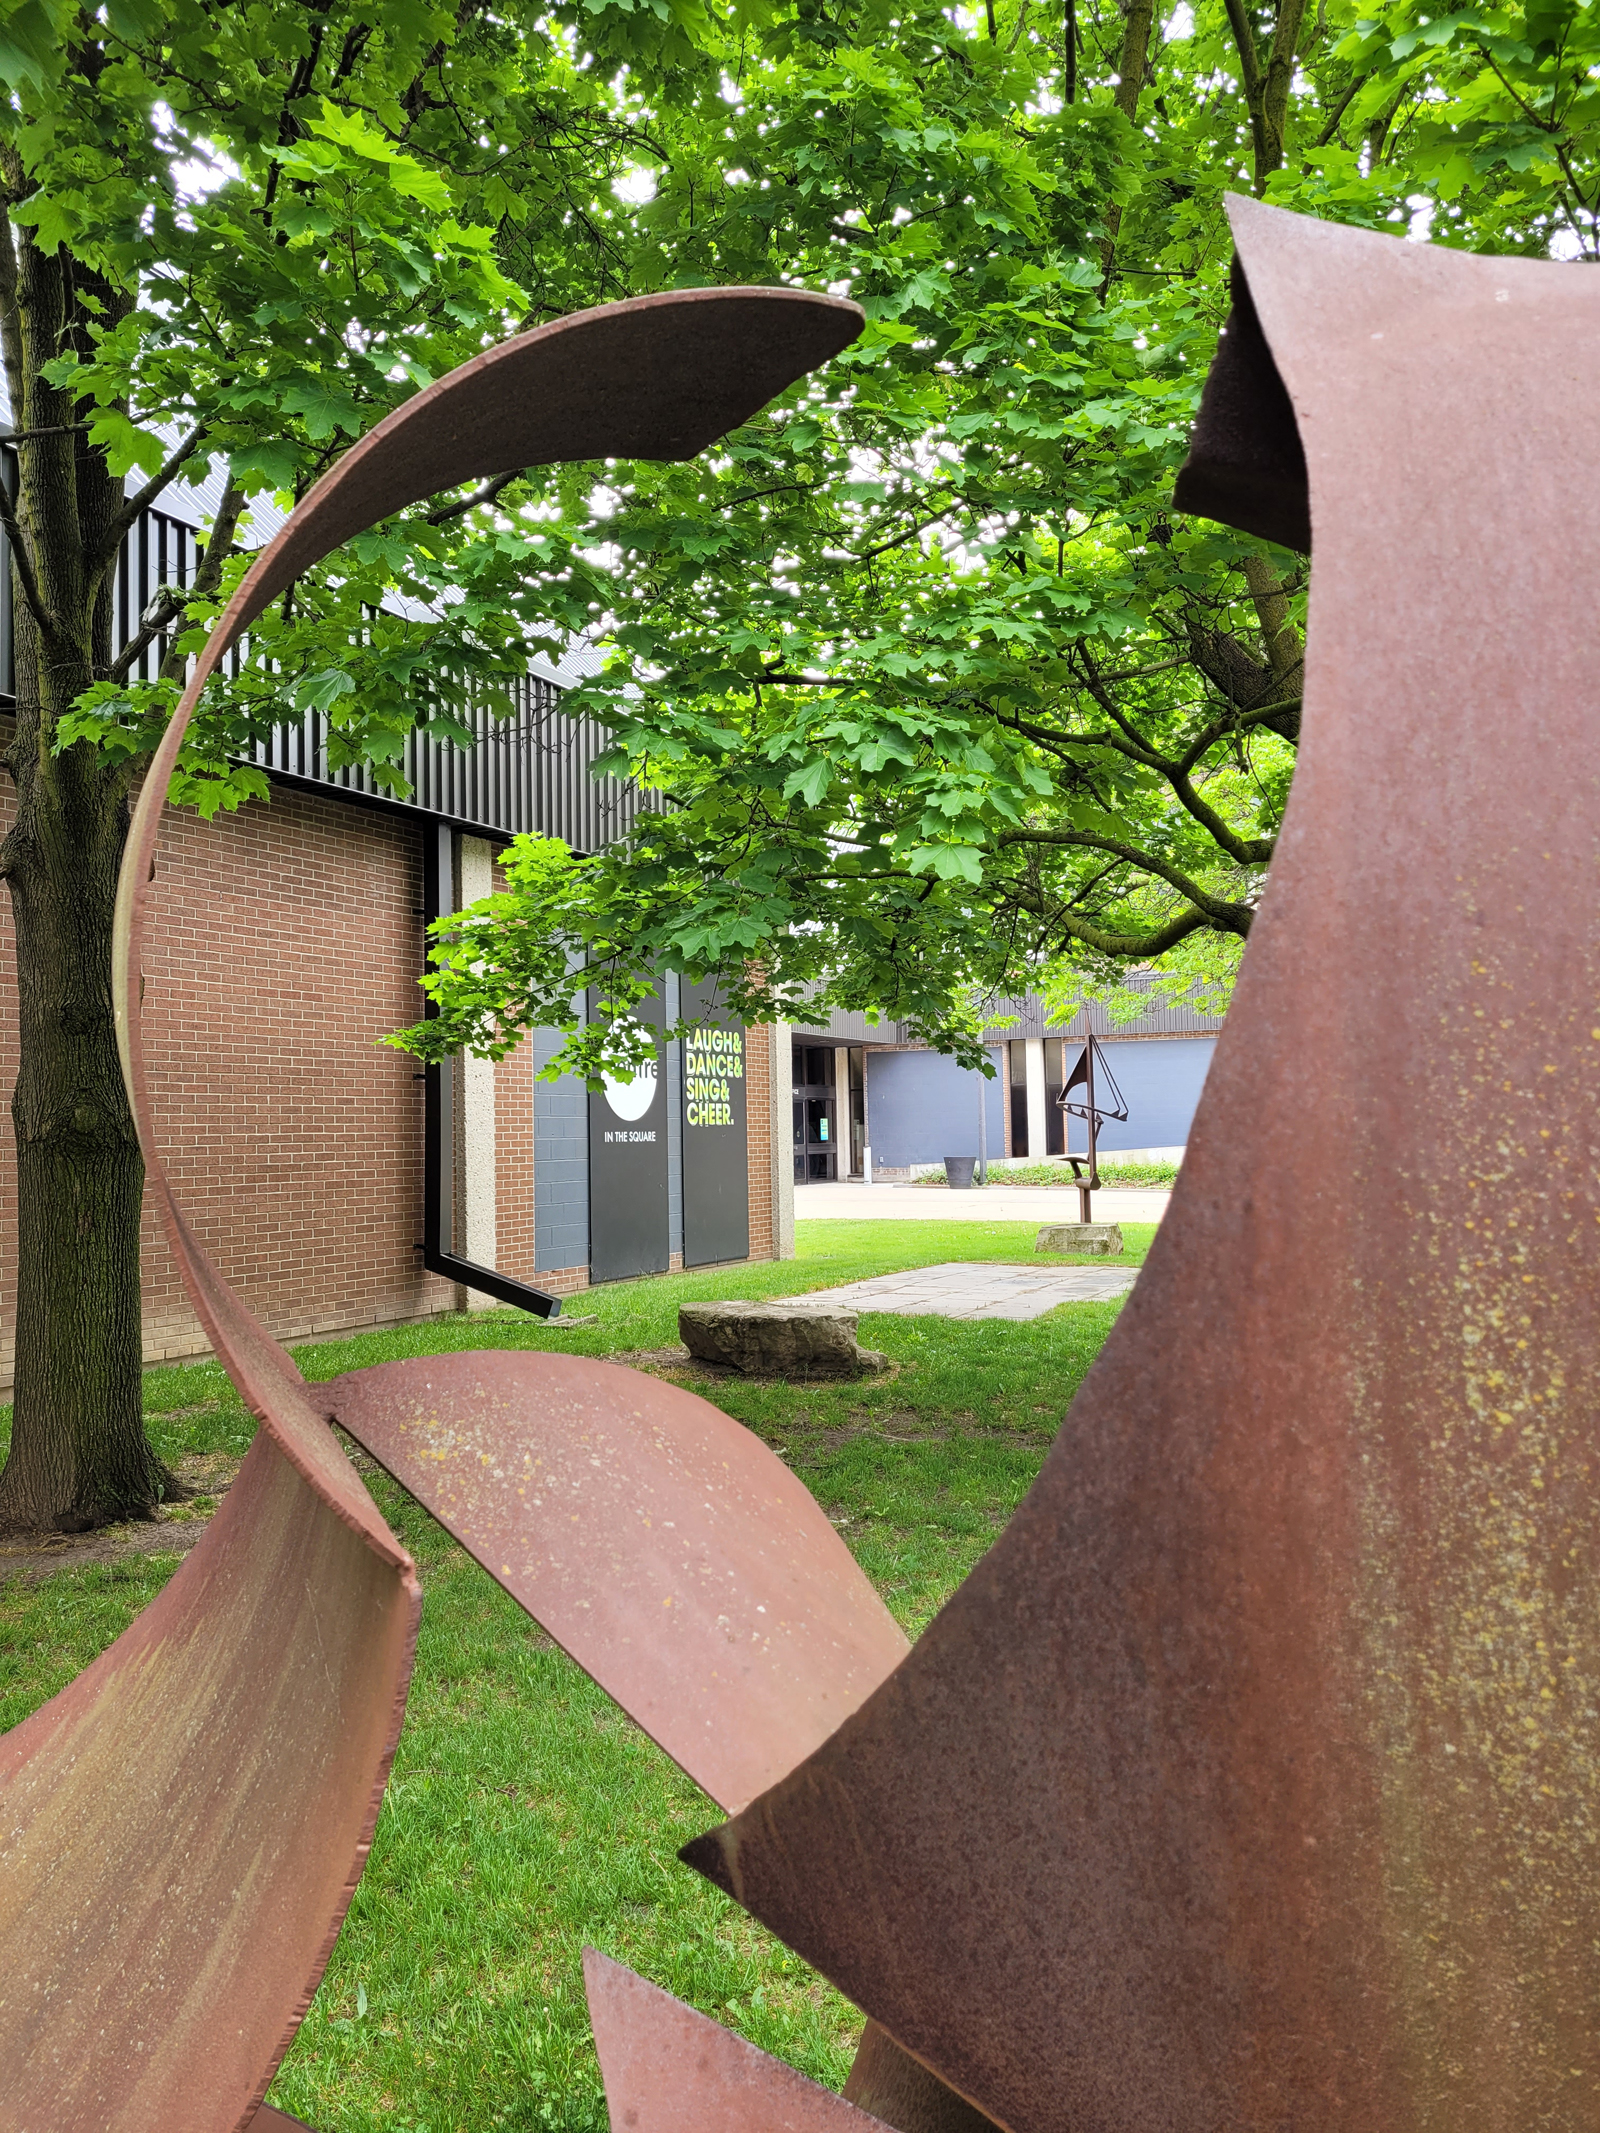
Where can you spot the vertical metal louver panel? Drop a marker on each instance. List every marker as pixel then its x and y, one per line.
pixel 528 771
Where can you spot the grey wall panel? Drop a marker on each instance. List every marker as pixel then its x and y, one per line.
pixel 921 1107
pixel 1162 1084
pixel 629 1229
pixel 560 1164
pixel 674 996
pixel 716 1140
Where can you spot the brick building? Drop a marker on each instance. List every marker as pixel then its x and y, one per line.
pixel 287 942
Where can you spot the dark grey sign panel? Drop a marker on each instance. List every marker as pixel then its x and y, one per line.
pixel 716 1182
pixel 628 1231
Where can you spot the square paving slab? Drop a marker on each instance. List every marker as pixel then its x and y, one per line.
pixel 977 1289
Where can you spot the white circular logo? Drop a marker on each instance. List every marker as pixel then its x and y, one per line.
pixel 631 1099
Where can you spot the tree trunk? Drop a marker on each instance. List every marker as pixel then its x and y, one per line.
pixel 1266 89
pixel 1137 21
pixel 79 1454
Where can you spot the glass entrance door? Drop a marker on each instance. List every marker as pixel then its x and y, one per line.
pixel 816 1125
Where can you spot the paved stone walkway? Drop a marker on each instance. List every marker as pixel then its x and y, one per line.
pixel 978 1290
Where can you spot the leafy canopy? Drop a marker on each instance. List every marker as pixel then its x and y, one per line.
pixel 934 697
pixel 939 699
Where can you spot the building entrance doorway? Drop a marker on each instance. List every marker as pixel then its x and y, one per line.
pixel 816 1117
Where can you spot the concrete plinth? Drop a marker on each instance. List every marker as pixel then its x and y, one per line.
pixel 1099 1238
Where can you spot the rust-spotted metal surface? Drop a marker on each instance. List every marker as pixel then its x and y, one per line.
pixel 893 2086
pixel 181 1828
pixel 1253 1780
pixel 669 2069
pixel 665 1547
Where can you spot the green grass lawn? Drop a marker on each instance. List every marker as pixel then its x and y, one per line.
pixel 526 1816
pixel 1058 1173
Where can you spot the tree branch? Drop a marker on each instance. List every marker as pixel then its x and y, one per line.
pixel 50 429
pixel 900 539
pixel 171 600
pixel 1276 85
pixel 1162 666
pixel 1234 722
pixel 1139 747
pixel 1244 43
pixel 1218 911
pixel 464 504
pixel 141 500
pixel 11 347
pixel 1139 945
pixel 1339 110
pixel 1249 851
pixel 1137 23
pixel 22 564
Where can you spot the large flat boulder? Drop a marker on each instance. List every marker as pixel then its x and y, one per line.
pixel 784 1339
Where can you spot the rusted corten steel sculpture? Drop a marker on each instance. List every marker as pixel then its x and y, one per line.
pixel 1250 1781
pixel 181 1829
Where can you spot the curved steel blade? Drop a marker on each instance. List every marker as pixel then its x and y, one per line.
pixel 182 1827
pixel 660 1543
pixel 670 2069
pixel 184 1823
pixel 655 377
pixel 1252 1779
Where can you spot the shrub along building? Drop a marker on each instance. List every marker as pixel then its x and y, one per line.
pixel 289 940
pixel 858 1086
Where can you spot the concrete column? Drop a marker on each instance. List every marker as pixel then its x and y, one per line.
pixel 841 1109
pixel 1038 1135
pixel 781 1080
pixel 475 1165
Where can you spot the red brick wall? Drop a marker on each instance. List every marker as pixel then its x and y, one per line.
pixel 514 1183
pixel 285 943
pixel 758 1097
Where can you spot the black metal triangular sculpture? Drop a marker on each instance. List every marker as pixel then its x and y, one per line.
pixel 1093 1114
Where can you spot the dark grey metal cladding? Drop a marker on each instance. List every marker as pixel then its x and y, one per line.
pixel 672 992
pixel 528 772
pixel 629 1220
pixel 716 1185
pixel 1026 1015
pixel 1162 1018
pixel 560 1163
pixel 160 550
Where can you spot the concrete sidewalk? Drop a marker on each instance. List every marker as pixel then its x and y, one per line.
pixel 994 1203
